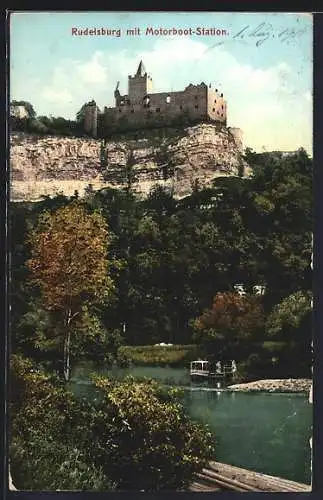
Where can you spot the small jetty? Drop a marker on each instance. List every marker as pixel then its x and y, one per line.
pixel 223 477
pixel 205 370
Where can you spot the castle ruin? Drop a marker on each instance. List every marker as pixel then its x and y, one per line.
pixel 141 108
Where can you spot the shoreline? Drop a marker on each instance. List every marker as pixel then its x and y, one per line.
pixel 274 385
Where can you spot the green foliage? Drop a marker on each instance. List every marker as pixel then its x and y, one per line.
pixel 94 342
pixel 169 259
pixel 34 398
pixel 287 316
pixel 136 436
pixel 29 107
pixel 36 329
pixel 44 125
pixel 149 442
pixel 174 256
pixel 160 355
pixel 46 451
pixel 49 465
pixel 290 324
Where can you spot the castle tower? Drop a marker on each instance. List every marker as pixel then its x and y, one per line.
pixel 91 119
pixel 139 85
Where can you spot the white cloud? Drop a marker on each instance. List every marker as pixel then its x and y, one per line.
pixel 57 95
pixel 262 101
pixel 93 71
pixel 270 80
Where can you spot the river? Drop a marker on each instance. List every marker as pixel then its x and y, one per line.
pixel 264 432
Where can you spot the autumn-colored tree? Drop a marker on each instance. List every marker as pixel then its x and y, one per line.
pixel 69 265
pixel 232 318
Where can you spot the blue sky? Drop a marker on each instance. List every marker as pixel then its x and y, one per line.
pixel 263 65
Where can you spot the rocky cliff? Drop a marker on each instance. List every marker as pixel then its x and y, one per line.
pixel 179 159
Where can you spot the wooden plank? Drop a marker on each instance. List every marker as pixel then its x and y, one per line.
pixel 244 476
pixel 197 486
pixel 233 470
pixel 224 482
pixel 219 477
pixel 258 480
pixel 213 476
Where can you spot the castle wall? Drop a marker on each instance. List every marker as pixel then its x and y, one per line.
pixel 141 108
pixel 159 109
pixel 91 120
pixel 216 106
pixel 191 102
pixel 238 137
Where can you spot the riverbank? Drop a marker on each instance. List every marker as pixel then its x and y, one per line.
pixel 160 354
pixel 274 385
pixel 243 426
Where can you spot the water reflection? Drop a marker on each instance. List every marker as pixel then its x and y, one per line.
pixel 268 433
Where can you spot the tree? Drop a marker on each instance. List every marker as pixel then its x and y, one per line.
pixel 287 316
pixel 45 436
pixel 177 254
pixel 69 265
pixel 143 438
pixel 290 324
pixel 232 320
pixel 135 435
pixel 29 107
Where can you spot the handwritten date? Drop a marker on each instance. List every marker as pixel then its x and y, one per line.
pixel 265 31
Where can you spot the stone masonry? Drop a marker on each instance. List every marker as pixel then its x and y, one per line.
pixel 141 108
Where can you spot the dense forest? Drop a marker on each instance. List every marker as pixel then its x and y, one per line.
pixel 224 272
pixel 175 267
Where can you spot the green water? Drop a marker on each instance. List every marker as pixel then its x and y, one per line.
pixel 265 432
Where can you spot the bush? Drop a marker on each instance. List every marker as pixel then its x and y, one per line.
pixel 143 438
pixel 135 436
pixel 46 448
pixel 52 465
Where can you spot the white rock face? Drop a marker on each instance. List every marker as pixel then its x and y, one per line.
pixel 49 165
pixel 274 385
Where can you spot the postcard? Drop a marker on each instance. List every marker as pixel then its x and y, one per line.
pixel 161 213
